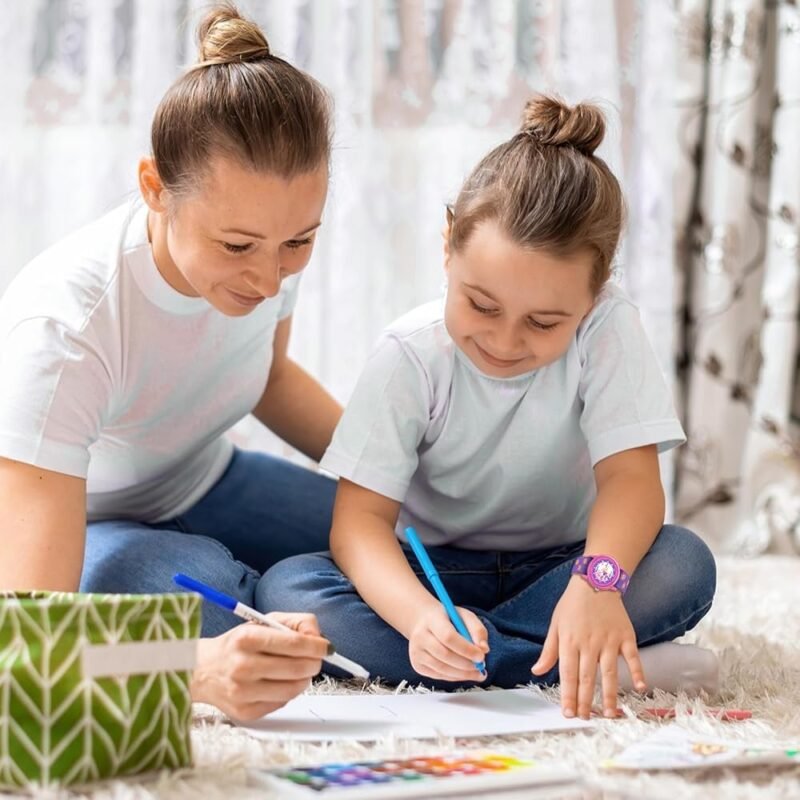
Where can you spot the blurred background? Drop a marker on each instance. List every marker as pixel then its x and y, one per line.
pixel 703 103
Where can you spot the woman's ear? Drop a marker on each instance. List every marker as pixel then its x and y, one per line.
pixel 150 185
pixel 446 237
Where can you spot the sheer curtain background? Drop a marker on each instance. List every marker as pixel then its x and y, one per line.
pixel 422 89
pixel 738 262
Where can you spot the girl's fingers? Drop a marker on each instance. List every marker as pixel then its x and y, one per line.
pixel 587 677
pixel 428 664
pixel 444 654
pixel 477 630
pixel 609 681
pixel 549 655
pixel 630 652
pixel 452 640
pixel 568 674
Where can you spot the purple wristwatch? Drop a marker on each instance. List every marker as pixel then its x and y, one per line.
pixel 602 573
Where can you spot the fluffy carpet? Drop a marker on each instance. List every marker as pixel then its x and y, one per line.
pixel 754 626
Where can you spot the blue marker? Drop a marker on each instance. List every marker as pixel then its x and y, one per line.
pixel 245 612
pixel 436 582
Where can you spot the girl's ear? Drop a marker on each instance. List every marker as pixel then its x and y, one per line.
pixel 589 310
pixel 150 185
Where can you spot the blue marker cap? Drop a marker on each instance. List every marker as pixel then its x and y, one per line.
pixel 221 599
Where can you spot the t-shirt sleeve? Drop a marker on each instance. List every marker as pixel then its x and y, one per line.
pixel 375 444
pixel 626 401
pixel 54 395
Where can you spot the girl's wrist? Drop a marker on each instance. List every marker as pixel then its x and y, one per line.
pixel 414 611
pixel 580 587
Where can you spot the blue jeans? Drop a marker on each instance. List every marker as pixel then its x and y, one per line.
pixel 262 510
pixel 514 594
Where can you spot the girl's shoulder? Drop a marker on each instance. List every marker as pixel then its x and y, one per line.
pixel 418 342
pixel 422 332
pixel 612 308
pixel 420 323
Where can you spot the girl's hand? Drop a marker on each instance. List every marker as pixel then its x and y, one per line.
pixel 252 670
pixel 588 628
pixel 438 650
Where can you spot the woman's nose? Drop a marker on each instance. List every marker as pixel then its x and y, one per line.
pixel 267 280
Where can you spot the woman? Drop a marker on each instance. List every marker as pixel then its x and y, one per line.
pixel 130 347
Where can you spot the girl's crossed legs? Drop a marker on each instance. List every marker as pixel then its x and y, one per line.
pixel 514 594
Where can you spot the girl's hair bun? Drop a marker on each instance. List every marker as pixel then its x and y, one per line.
pixel 226 36
pixel 551 121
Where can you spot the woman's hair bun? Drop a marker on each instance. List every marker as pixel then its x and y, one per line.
pixel 551 121
pixel 226 36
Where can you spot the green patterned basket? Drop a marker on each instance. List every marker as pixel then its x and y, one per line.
pixel 94 686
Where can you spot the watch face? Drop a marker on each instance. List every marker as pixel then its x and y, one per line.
pixel 603 572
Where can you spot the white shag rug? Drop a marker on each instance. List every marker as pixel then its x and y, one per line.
pixel 754 625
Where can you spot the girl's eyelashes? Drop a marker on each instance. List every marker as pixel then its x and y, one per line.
pixel 236 248
pixel 480 309
pixel 539 326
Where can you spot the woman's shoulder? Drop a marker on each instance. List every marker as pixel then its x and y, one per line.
pixel 68 280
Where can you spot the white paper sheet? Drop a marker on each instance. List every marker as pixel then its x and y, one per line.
pixel 675 748
pixel 367 717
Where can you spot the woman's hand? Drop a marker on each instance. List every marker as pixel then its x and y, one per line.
pixel 588 628
pixel 252 670
pixel 438 650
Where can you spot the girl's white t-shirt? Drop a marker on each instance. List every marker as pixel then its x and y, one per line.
pixel 110 374
pixel 500 463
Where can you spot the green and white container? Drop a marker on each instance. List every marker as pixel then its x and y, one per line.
pixel 94 686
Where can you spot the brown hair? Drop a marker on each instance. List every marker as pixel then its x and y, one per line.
pixel 545 187
pixel 240 101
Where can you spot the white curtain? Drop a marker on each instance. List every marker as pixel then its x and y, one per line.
pixel 422 89
pixel 738 260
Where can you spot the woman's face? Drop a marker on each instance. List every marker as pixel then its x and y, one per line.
pixel 236 238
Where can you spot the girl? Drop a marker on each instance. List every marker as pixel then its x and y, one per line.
pixel 516 426
pixel 129 348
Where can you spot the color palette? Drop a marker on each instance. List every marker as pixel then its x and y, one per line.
pixel 423 776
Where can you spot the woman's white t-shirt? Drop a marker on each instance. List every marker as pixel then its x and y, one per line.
pixel 110 374
pixel 500 463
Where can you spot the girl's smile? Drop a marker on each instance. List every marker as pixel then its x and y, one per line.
pixel 502 363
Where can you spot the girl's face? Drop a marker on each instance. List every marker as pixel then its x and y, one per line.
pixel 235 239
pixel 510 309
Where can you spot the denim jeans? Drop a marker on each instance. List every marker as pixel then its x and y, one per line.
pixel 263 509
pixel 514 594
